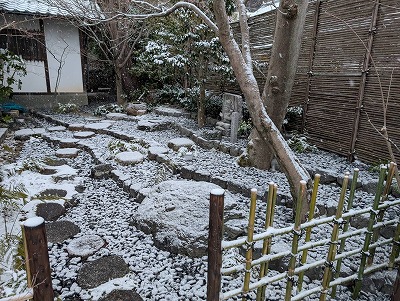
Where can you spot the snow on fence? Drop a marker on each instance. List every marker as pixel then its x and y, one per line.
pixel 335 244
pixel 36 263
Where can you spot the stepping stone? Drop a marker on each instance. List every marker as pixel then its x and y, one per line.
pixel 68 142
pixel 93 119
pixel 116 116
pixel 136 109
pixel 50 211
pixel 59 128
pixel 100 271
pixel 83 135
pixel 152 125
pixel 25 134
pixel 122 295
pixel 76 127
pixel 56 193
pixel 85 246
pixel 67 152
pixel 129 158
pixel 154 151
pixel 97 126
pixel 48 171
pixel 54 161
pixel 59 231
pixel 108 121
pixel 177 143
pixel 169 111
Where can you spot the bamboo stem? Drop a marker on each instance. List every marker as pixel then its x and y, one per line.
pixel 295 242
pixel 346 226
pixel 368 235
pixel 375 235
pixel 313 202
pixel 249 242
pixel 333 244
pixel 395 248
pixel 269 218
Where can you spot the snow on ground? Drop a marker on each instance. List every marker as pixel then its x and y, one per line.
pixel 105 210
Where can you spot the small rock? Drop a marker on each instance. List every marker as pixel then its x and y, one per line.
pixel 76 127
pixel 67 152
pixel 68 142
pixel 122 295
pixel 56 193
pixel 154 151
pixel 85 246
pixel 116 116
pixel 177 143
pixel 97 126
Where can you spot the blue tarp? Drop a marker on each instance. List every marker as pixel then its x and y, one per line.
pixel 7 107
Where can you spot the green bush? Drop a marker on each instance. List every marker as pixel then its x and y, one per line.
pixel 299 144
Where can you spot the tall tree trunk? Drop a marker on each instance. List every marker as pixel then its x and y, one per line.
pixel 264 125
pixel 201 105
pixel 119 87
pixel 396 287
pixel 281 73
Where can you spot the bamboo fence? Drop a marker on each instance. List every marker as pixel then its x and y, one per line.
pixel 349 62
pixel 334 245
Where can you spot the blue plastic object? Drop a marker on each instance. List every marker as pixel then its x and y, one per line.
pixel 7 107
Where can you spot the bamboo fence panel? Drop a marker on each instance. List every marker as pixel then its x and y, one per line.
pixel 328 82
pixel 334 245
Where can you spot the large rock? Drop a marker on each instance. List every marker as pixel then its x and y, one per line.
pixel 153 125
pixel 68 152
pixel 176 214
pixel 97 126
pixel 84 135
pixel 25 134
pixel 177 143
pixel 122 295
pixel 136 109
pixel 50 211
pixel 102 270
pixel 129 158
pixel 85 246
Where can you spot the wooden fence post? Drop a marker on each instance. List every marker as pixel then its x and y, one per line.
pixel 216 222
pixel 38 259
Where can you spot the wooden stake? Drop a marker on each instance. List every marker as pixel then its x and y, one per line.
pixel 216 223
pixel 38 259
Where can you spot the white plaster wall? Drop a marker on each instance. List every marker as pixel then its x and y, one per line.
pixel 63 54
pixel 34 81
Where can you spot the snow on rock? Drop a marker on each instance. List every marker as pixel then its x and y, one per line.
pixel 129 157
pixel 59 231
pixel 76 126
pixel 176 213
pixel 97 126
pixel 152 125
pixel 168 111
pixel 177 143
pixel 33 222
pixel 83 135
pixel 154 151
pixel 85 246
pixel 58 128
pixel 50 211
pixel 67 152
pixel 100 271
pixel 116 116
pixel 24 134
pixel 122 295
pixel 68 142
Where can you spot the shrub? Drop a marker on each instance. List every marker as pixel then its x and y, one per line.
pixel 67 108
pixel 299 144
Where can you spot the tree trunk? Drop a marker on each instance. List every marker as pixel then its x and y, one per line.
pixel 264 125
pixel 396 287
pixel 201 105
pixel 119 87
pixel 281 72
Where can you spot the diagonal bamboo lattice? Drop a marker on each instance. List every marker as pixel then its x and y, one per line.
pixel 335 245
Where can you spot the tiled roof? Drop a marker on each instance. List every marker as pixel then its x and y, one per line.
pixel 40 7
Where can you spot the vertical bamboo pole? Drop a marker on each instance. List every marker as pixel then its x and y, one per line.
pixel 313 202
pixel 38 258
pixel 333 243
pixel 295 242
pixel 395 248
pixel 368 235
pixel 269 218
pixel 346 226
pixel 375 235
pixel 216 223
pixel 249 242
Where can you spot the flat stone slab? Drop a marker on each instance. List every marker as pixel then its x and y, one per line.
pixel 76 126
pixel 93 119
pixel 56 193
pixel 129 157
pixel 167 111
pixel 68 142
pixel 116 116
pixel 83 135
pixel 154 151
pixel 67 152
pixel 50 211
pixel 152 125
pixel 108 121
pixel 59 128
pixel 122 295
pixel 97 126
pixel 59 231
pixel 85 246
pixel 177 143
pixel 101 171
pixel 102 270
pixel 26 133
pixel 176 214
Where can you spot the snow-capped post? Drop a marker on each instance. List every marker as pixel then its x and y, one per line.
pixel 216 225
pixel 37 258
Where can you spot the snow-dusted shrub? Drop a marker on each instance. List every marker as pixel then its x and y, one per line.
pixel 67 108
pixel 299 144
pixel 110 108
